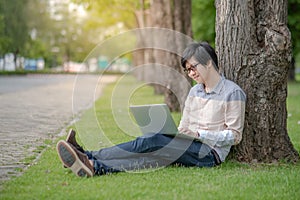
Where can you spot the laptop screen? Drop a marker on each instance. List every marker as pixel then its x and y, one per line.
pixel 154 118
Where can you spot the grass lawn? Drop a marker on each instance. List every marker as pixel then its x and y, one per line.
pixel 100 127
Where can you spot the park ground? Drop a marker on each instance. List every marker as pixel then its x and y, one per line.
pixel 47 179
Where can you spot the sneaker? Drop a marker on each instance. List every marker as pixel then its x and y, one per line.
pixel 77 161
pixel 72 140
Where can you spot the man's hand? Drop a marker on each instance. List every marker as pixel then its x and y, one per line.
pixel 189 132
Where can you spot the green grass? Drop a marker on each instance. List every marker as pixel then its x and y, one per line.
pixel 293 107
pixel 47 179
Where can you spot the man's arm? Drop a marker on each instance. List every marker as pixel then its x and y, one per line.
pixel 217 138
pixel 234 123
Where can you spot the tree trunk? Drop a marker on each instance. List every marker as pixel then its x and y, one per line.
pixel 139 55
pixel 161 18
pixel 182 10
pixel 254 50
pixel 174 15
pixel 292 70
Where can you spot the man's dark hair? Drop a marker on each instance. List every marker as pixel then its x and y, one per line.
pixel 202 52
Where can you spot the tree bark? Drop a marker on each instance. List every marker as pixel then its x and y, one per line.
pixel 139 54
pixel 161 18
pixel 174 15
pixel 253 44
pixel 182 10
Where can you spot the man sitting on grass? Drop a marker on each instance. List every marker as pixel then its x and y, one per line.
pixel 213 113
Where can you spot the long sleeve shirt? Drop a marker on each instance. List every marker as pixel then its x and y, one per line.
pixel 217 117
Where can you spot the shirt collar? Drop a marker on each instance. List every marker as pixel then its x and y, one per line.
pixel 217 89
pixel 219 86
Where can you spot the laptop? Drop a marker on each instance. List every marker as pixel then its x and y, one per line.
pixel 156 118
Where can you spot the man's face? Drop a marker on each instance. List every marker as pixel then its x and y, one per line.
pixel 195 70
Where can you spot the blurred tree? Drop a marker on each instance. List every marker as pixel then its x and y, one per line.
pixel 4 40
pixel 254 50
pixel 174 15
pixel 108 18
pixel 294 26
pixel 65 32
pixel 170 14
pixel 60 26
pixel 15 29
pixel 40 27
pixel 36 49
pixel 109 13
pixel 203 20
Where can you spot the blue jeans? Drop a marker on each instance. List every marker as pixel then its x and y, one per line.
pixel 151 151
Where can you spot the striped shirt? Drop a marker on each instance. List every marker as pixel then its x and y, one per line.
pixel 218 116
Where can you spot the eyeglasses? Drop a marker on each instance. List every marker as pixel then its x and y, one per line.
pixel 191 68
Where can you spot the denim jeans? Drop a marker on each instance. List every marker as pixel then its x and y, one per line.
pixel 150 152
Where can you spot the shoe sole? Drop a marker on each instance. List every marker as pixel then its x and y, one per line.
pixel 70 134
pixel 70 159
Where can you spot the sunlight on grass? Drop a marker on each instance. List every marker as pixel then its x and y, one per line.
pixel 293 107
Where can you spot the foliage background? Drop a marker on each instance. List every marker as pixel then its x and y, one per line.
pixel 70 29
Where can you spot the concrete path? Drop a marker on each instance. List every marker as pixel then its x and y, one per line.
pixel 34 108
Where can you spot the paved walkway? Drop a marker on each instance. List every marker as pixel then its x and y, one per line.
pixel 34 108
